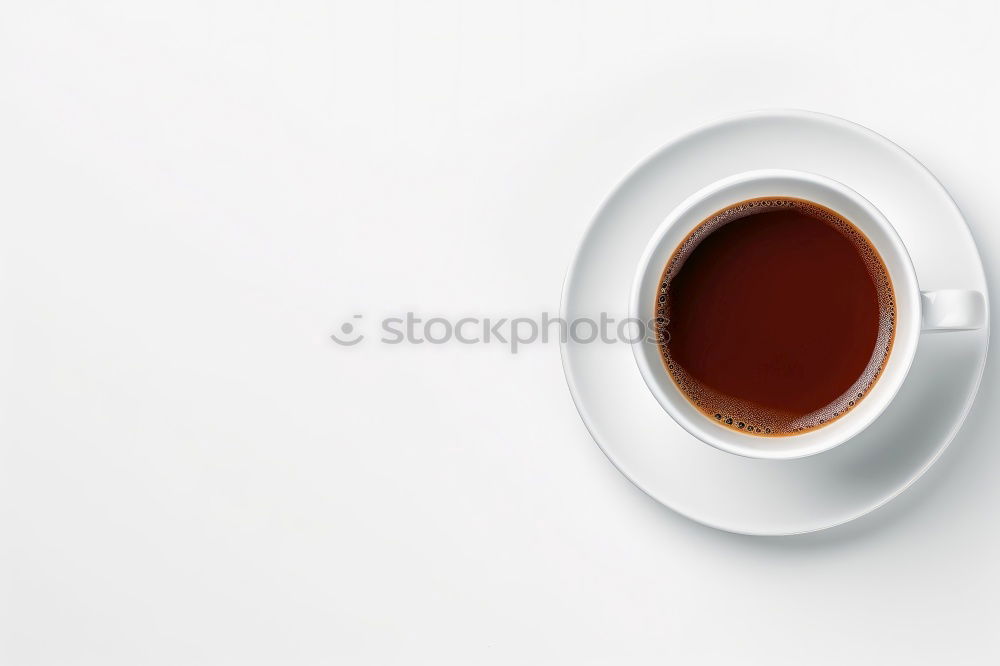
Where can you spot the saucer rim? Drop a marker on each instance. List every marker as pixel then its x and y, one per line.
pixel 778 113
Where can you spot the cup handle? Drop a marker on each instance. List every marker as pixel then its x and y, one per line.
pixel 952 310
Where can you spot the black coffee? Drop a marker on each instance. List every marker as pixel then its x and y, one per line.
pixel 776 316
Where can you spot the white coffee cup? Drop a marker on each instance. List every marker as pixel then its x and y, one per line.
pixel 916 311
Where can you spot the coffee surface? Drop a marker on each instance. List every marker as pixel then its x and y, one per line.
pixel 775 316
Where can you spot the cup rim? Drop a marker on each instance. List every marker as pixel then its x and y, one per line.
pixel 812 442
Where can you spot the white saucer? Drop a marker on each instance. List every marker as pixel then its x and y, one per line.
pixel 746 495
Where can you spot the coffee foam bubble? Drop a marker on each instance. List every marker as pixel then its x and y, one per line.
pixel 746 416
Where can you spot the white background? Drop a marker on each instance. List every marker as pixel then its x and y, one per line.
pixel 194 195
